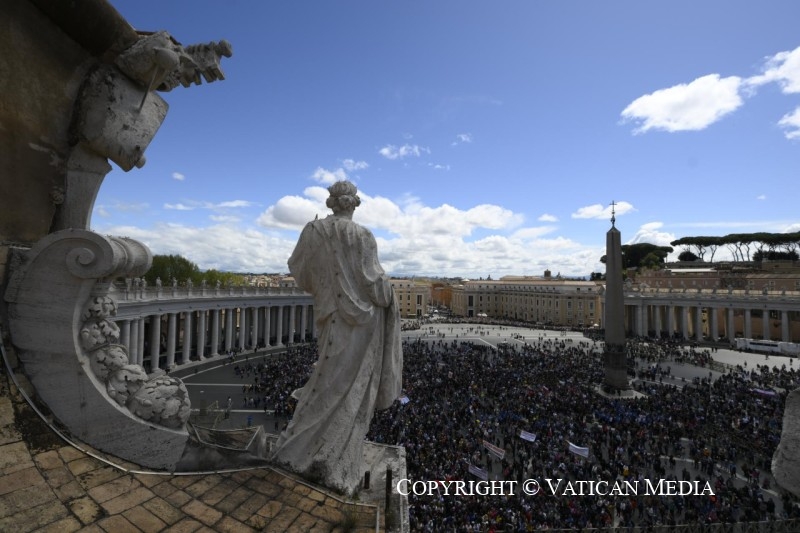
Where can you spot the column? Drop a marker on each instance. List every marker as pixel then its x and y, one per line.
pixel 279 327
pixel 766 327
pixel 292 311
pixel 640 319
pixel 242 327
pixel 685 322
pixel 698 323
pixel 201 334
pixel 171 334
pixel 785 326
pixel 714 333
pixel 133 349
pixel 670 320
pixel 140 357
pixel 214 332
pixel 187 337
pixel 155 341
pixel 125 335
pixel 229 329
pixel 657 320
pixel 267 324
pixel 731 326
pixel 303 322
pixel 313 320
pixel 254 328
pixel 748 324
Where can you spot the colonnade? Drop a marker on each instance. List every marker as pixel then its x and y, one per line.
pixel 166 340
pixel 719 320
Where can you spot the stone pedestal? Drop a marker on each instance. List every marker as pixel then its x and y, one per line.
pixel 786 461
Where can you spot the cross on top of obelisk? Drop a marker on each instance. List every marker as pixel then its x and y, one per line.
pixel 613 218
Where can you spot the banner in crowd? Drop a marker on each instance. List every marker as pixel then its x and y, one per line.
pixel 494 450
pixel 404 399
pixel 765 392
pixel 524 435
pixel 478 472
pixel 577 450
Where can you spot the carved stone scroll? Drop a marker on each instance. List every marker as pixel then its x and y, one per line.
pixel 62 287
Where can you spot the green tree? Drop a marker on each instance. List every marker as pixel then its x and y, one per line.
pixel 686 255
pixel 167 267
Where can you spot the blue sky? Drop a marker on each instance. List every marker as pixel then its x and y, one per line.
pixel 486 138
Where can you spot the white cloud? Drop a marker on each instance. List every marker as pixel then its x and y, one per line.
pixel 178 207
pixel 462 138
pixel 178 176
pixel 416 239
pixel 292 212
pixel 233 203
pixel 761 197
pixel 547 218
pixel 393 152
pixel 322 175
pixel 791 122
pixel 601 211
pixel 652 233
pixel 437 166
pixel 685 107
pixel 351 165
pixel 244 250
pixel 784 69
pixel 226 219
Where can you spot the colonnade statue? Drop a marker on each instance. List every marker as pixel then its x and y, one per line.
pixel 360 357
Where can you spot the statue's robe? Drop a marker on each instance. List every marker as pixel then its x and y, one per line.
pixel 360 356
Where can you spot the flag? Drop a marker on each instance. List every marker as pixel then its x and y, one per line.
pixel 479 472
pixel 404 399
pixel 577 450
pixel 494 450
pixel 524 435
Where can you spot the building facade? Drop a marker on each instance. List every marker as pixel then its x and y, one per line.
pixel 413 297
pixel 544 300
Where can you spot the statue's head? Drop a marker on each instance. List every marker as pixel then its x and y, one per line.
pixel 343 197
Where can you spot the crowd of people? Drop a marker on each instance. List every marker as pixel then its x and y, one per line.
pixel 463 394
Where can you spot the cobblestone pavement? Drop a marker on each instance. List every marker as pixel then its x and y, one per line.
pixel 48 485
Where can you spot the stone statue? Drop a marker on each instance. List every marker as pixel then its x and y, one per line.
pixel 360 357
pixel 174 283
pixel 158 282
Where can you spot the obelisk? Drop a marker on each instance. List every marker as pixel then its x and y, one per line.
pixel 615 365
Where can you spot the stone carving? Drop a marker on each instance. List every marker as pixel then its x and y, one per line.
pixel 158 282
pixel 159 62
pixel 63 284
pixel 161 400
pixel 360 358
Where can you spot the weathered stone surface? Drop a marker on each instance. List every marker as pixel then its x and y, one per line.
pixel 144 519
pixel 336 261
pixel 202 512
pixel 163 510
pixel 786 461
pixel 87 511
